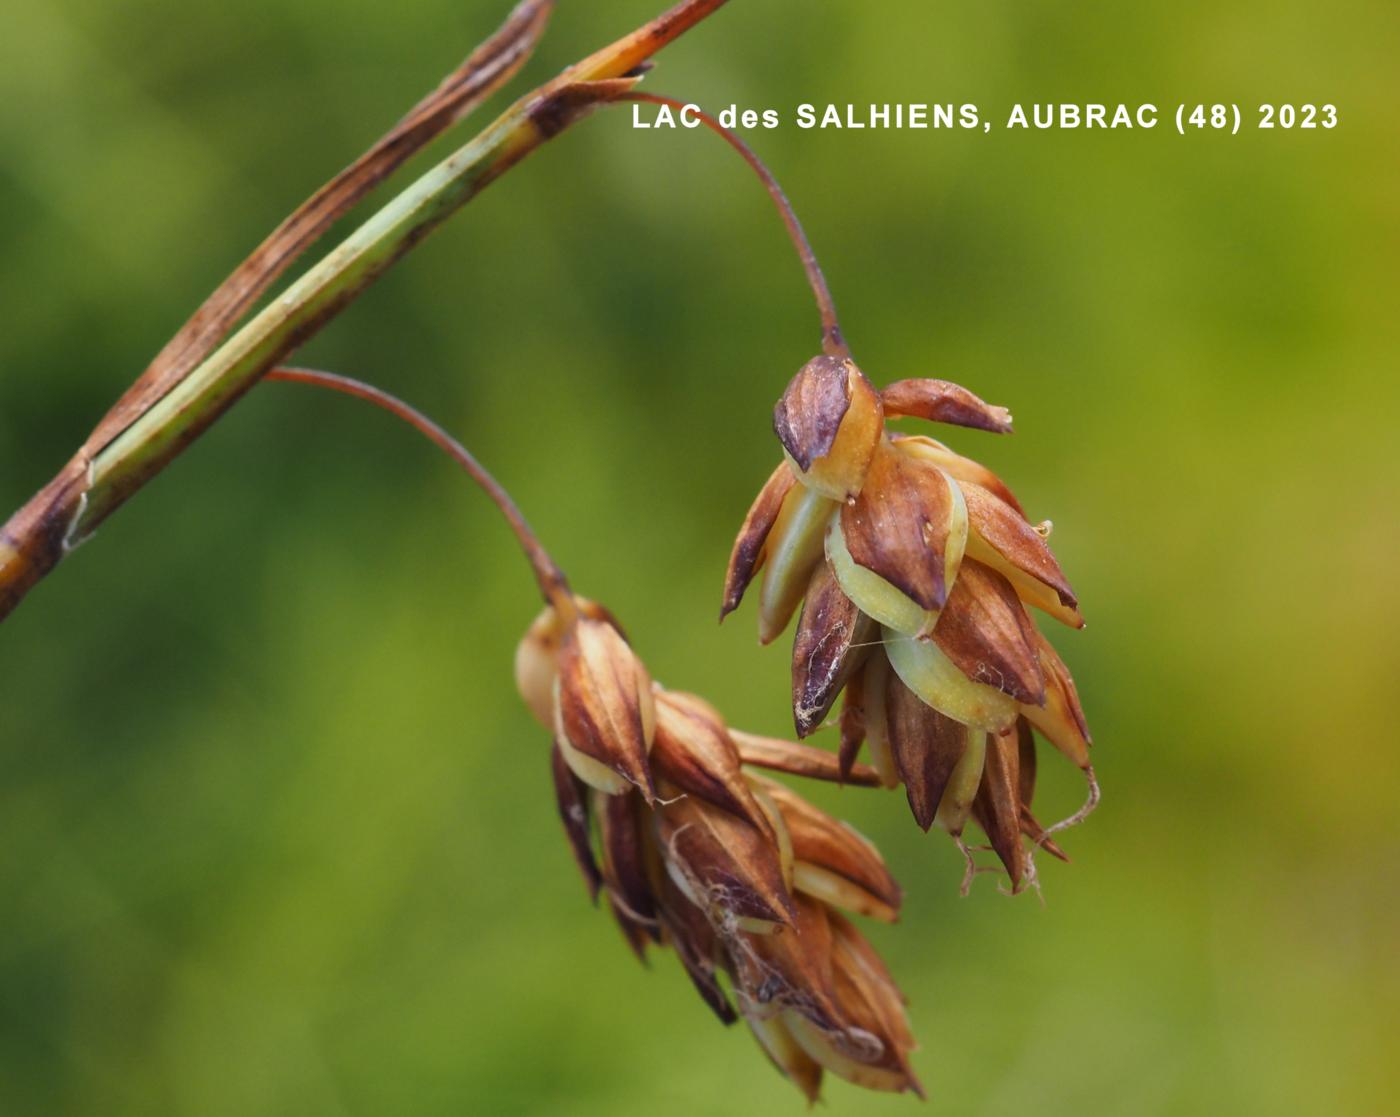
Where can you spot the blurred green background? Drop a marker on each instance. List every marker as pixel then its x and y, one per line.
pixel 276 836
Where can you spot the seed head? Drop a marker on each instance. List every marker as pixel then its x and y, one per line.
pixel 693 849
pixel 915 568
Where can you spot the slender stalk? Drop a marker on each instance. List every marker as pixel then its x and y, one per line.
pixel 186 410
pixel 485 70
pixel 553 584
pixel 101 478
pixel 833 342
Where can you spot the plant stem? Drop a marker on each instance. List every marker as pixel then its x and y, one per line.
pixel 201 397
pixel 833 343
pixel 553 584
pixel 485 70
pixel 95 483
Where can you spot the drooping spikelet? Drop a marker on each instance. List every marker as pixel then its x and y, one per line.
pixel 694 849
pixel 915 568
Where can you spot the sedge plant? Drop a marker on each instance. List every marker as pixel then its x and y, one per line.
pixel 912 571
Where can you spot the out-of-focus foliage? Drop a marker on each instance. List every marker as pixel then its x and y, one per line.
pixel 275 833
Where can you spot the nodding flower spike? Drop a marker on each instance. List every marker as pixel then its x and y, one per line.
pixel 736 872
pixel 917 606
pixel 690 848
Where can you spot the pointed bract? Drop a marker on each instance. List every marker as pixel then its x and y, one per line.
pixel 1001 538
pixel 790 970
pixel 926 746
pixel 955 465
pixel 571 796
pixel 985 631
pixel 829 421
pixel 624 860
pixel 694 751
pixel 997 807
pixel 1061 719
pixel 828 844
pixel 749 546
pixel 808 416
pixel 605 703
pixel 727 866
pixel 941 401
pixel 832 640
pixel 698 947
pixel 908 526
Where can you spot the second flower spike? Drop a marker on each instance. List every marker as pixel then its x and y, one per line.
pixel 692 848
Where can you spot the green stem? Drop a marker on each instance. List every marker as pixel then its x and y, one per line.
pixel 187 410
pixel 100 479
